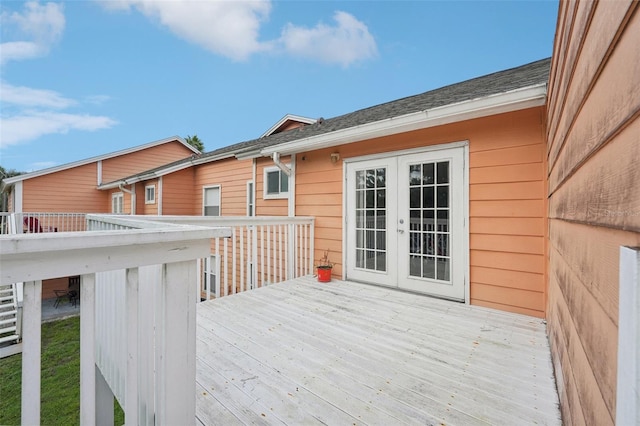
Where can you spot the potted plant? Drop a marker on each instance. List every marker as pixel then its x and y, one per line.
pixel 324 268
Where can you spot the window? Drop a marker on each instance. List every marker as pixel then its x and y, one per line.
pixel 276 183
pixel 251 203
pixel 211 201
pixel 117 203
pixel 150 194
pixel 211 267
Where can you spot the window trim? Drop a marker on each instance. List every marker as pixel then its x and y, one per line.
pixel 148 200
pixel 114 197
pixel 204 193
pixel 280 194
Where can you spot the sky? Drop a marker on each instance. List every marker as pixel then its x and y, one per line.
pixel 84 78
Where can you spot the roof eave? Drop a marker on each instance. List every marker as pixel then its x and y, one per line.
pixel 86 161
pixel 523 98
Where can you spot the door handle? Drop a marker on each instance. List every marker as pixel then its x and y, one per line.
pixel 400 231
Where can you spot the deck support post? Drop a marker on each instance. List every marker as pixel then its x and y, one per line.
pixel 31 346
pixel 131 405
pixel 88 394
pixel 176 399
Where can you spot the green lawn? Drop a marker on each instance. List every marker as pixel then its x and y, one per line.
pixel 60 385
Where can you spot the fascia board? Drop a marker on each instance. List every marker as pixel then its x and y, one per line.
pixel 163 172
pixel 515 100
pixel 86 161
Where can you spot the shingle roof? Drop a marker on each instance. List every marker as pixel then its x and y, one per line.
pixel 531 74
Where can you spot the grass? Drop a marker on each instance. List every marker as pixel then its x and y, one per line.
pixel 60 378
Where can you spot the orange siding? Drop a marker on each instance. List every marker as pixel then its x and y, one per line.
pixel 507 202
pixel 71 190
pixel 178 193
pixel 232 176
pixel 139 161
pixel 592 153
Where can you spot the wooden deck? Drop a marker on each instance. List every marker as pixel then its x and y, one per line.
pixel 345 353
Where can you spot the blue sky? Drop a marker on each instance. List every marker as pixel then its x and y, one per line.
pixel 84 78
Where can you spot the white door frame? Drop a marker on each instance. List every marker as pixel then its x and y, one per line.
pixel 465 203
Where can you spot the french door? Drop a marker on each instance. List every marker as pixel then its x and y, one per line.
pixel 405 222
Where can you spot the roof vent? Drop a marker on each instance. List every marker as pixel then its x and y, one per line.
pixel 320 120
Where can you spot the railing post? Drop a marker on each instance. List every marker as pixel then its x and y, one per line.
pixel 177 345
pixel 31 347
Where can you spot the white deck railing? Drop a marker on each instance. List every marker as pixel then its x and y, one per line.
pixel 158 337
pixel 132 266
pixel 35 223
pixel 261 250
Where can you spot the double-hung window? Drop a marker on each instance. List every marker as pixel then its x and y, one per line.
pixel 150 194
pixel 276 183
pixel 211 200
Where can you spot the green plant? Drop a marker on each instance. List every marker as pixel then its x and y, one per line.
pixel 324 262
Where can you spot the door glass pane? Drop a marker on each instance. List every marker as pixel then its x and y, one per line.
pixel 371 219
pixel 429 216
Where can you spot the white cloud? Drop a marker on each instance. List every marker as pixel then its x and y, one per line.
pixel 228 28
pixel 41 25
pixel 347 42
pixel 30 125
pixel 232 29
pixel 28 97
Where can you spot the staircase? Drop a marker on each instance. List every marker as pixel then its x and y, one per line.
pixel 9 319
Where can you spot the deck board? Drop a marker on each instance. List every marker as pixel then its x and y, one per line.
pixel 300 352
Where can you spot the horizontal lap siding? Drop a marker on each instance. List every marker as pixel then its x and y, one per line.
pixel 594 197
pixel 178 193
pixel 129 164
pixel 141 205
pixel 71 190
pixel 507 202
pixel 232 176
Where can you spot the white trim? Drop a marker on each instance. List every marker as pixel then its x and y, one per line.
pixel 148 200
pixel 17 197
pixel 204 190
pixel 292 188
pixel 133 199
pixel 99 158
pixel 99 172
pixel 628 390
pixel 467 228
pixel 514 100
pixel 410 151
pixel 159 195
pixel 288 117
pixel 280 195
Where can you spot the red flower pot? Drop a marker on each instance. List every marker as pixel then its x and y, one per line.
pixel 324 274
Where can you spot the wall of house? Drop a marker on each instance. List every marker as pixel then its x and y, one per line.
pixel 594 196
pixel 507 202
pixel 269 207
pixel 71 190
pixel 129 164
pixel 232 176
pixel 178 193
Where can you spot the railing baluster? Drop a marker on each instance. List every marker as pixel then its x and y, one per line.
pixel 234 258
pixel 242 258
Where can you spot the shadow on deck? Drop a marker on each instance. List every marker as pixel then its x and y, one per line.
pixel 300 352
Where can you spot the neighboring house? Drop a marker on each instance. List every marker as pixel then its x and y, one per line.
pixel 71 188
pixel 513 191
